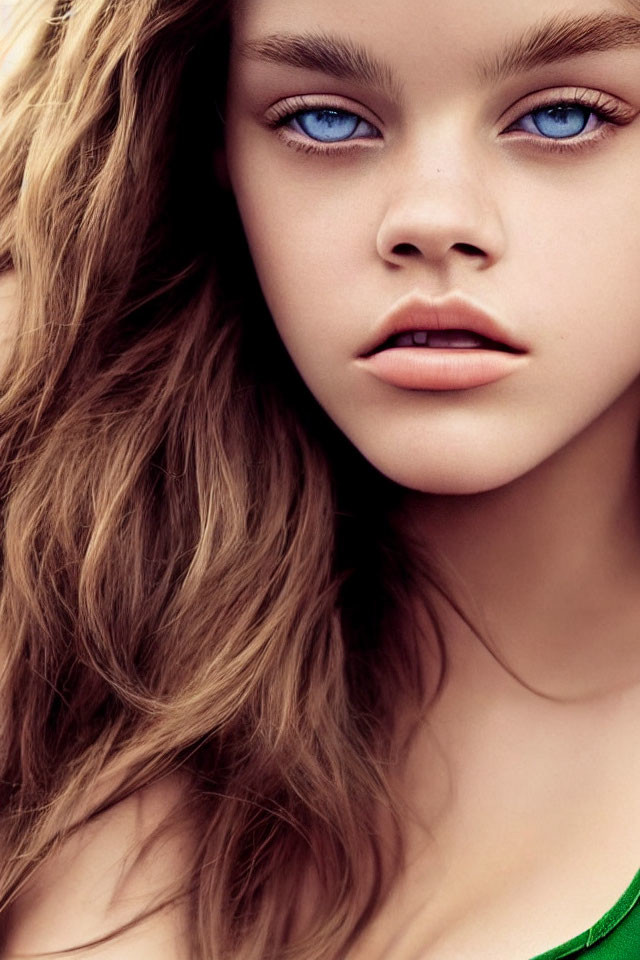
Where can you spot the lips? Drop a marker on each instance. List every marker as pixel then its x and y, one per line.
pixel 419 322
pixel 441 345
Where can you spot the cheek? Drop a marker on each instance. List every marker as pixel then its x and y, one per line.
pixel 309 268
pixel 312 248
pixel 581 232
pixel 574 270
pixel 309 236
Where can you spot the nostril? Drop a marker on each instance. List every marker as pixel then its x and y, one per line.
pixel 469 248
pixel 410 249
pixel 404 248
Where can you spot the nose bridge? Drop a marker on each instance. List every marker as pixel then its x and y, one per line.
pixel 441 197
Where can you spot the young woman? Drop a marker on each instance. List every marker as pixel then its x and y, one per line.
pixel 319 607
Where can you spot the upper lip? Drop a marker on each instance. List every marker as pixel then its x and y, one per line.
pixel 453 312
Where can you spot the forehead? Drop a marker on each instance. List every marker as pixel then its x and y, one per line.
pixel 429 13
pixel 481 40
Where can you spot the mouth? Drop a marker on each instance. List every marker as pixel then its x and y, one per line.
pixel 446 344
pixel 443 340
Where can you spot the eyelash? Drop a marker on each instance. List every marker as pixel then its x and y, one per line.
pixel 604 108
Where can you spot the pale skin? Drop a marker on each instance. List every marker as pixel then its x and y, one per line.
pixel 526 801
pixel 101 880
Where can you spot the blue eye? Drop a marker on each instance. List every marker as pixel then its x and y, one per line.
pixel 329 125
pixel 560 120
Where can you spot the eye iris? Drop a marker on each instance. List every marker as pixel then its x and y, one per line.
pixel 563 120
pixel 328 124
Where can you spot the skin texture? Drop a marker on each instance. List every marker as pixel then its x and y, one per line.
pixel 102 878
pixel 524 797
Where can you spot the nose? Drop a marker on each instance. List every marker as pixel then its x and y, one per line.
pixel 441 211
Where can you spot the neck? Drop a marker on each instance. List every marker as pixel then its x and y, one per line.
pixel 549 565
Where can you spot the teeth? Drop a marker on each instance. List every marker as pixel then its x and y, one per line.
pixel 455 338
pixel 443 339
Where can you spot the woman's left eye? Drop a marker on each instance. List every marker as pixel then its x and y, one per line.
pixel 572 124
pixel 566 120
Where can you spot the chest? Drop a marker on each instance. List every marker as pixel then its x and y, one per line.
pixel 520 844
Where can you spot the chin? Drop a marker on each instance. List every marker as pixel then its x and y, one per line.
pixel 450 478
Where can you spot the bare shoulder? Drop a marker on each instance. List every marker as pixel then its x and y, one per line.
pixel 106 875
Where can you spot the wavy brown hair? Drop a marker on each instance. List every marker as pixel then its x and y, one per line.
pixel 191 578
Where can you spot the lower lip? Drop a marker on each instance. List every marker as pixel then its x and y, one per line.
pixel 432 368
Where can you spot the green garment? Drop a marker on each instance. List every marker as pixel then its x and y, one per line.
pixel 616 936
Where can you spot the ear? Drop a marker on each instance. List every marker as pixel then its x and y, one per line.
pixel 221 169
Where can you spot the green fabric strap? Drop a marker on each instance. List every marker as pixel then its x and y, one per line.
pixel 616 936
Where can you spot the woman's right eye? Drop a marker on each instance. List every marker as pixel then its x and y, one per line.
pixel 319 128
pixel 329 125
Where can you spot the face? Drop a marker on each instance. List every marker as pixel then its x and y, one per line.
pixel 442 196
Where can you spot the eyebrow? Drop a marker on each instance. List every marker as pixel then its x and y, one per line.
pixel 547 42
pixel 337 57
pixel 560 38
